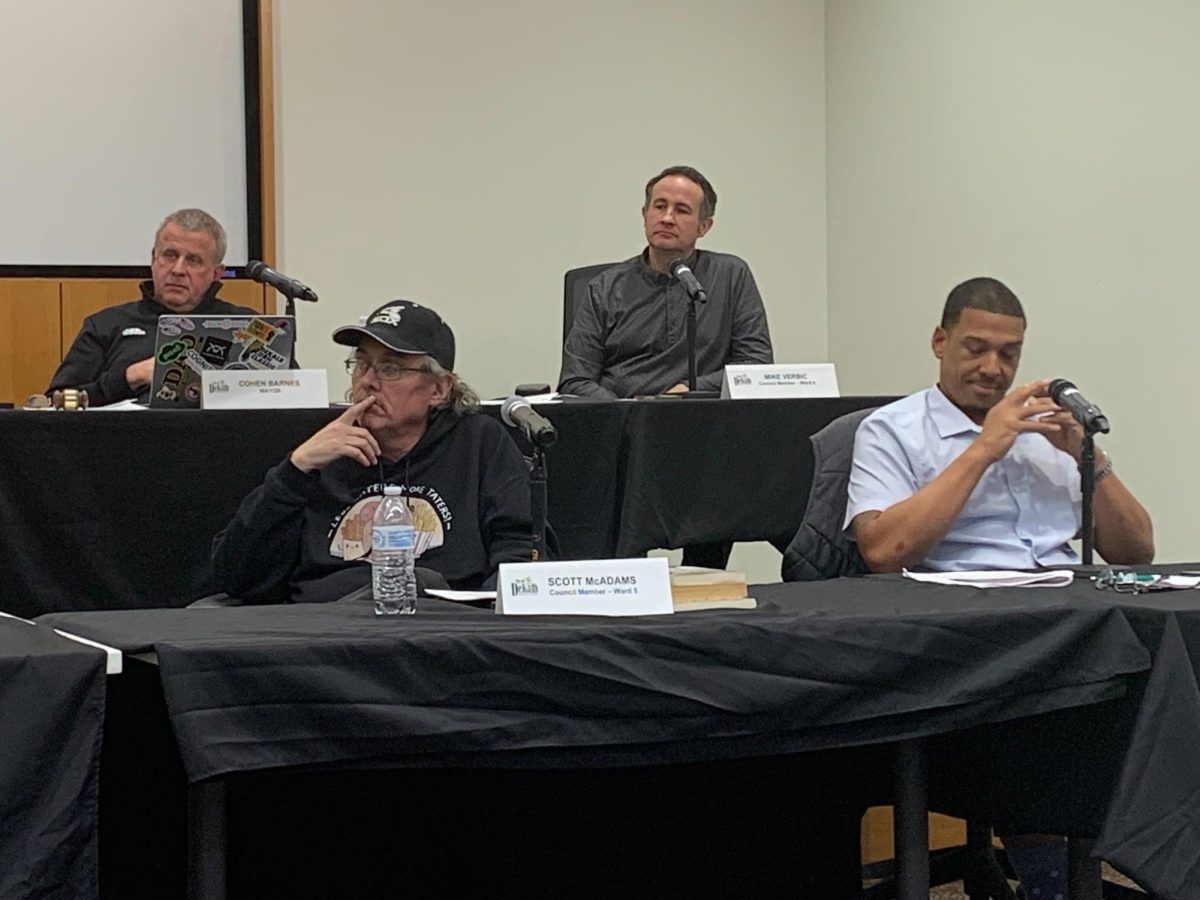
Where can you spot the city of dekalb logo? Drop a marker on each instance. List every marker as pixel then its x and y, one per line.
pixel 218 387
pixel 525 585
pixel 741 378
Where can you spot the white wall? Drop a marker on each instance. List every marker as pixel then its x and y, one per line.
pixel 1051 145
pixel 465 154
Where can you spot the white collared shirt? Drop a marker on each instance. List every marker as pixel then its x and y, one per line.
pixel 1022 513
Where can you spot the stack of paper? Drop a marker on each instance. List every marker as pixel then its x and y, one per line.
pixel 997 578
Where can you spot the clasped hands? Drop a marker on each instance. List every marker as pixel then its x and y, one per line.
pixel 1029 408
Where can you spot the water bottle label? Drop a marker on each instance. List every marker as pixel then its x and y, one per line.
pixel 392 537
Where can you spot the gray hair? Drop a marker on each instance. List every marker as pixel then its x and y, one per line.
pixel 460 400
pixel 197 220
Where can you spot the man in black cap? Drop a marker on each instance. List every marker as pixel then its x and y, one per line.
pixel 305 533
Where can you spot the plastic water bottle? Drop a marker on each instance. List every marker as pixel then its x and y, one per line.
pixel 393 575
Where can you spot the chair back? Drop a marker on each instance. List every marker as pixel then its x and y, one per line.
pixel 821 548
pixel 575 284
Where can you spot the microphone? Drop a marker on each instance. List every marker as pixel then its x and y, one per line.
pixel 517 413
pixel 683 272
pixel 1087 414
pixel 289 287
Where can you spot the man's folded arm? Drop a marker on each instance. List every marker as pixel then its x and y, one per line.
pixel 255 555
pixel 1124 532
pixel 749 338
pixel 896 523
pixel 83 368
pixel 583 354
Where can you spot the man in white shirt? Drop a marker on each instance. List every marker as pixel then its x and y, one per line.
pixel 971 475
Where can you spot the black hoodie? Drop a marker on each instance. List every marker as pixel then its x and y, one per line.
pixel 306 538
pixel 115 338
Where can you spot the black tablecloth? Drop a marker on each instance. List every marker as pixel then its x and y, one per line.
pixel 51 709
pixel 1105 745
pixel 251 688
pixel 632 476
pixel 117 510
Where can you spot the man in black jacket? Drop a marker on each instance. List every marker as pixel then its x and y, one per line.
pixel 112 357
pixel 305 534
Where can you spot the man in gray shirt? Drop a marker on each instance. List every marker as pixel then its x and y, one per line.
pixel 629 336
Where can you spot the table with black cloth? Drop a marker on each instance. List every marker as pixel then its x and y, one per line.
pixel 1040 709
pixel 51 713
pixel 117 510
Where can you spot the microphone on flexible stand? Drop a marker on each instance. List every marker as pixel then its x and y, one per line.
pixel 289 287
pixel 1088 414
pixel 681 270
pixel 696 294
pixel 1066 395
pixel 517 413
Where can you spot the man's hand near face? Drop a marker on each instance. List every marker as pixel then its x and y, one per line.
pixel 341 437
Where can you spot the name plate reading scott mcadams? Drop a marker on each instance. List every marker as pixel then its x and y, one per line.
pixel 779 380
pixel 603 587
pixel 264 389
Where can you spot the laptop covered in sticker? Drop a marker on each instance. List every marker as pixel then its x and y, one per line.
pixel 186 345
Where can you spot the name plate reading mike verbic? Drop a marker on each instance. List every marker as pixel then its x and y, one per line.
pixel 779 380
pixel 603 587
pixel 264 389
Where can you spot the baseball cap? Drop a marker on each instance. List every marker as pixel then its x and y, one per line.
pixel 405 327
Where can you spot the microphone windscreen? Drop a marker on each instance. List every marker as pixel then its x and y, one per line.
pixel 254 268
pixel 1058 386
pixel 510 406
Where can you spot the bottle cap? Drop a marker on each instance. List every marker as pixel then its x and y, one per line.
pixel 392 490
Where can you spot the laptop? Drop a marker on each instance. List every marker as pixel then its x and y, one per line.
pixel 187 345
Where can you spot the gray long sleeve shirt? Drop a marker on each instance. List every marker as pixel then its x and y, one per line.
pixel 629 335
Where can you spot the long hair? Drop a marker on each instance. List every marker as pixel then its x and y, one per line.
pixel 460 399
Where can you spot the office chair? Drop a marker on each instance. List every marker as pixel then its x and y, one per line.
pixel 575 283
pixel 821 550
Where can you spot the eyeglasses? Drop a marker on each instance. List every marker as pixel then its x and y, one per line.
pixel 1125 582
pixel 385 369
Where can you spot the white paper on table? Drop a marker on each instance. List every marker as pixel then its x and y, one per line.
pixel 119 406
pixel 996 578
pixel 460 596
pixel 1178 582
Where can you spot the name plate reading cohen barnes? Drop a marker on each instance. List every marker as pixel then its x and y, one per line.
pixel 264 389
pixel 602 587
pixel 779 380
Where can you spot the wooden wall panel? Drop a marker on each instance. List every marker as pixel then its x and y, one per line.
pixel 30 348
pixel 248 293
pixel 83 296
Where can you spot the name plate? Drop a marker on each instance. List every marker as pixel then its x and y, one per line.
pixel 264 389
pixel 603 587
pixel 783 380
